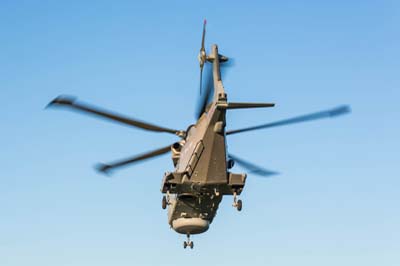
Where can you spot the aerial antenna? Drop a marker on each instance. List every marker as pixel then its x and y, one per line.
pixel 202 55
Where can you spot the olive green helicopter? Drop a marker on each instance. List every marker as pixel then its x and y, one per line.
pixel 202 173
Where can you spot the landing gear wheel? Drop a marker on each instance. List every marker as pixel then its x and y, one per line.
pixel 188 242
pixel 239 205
pixel 164 203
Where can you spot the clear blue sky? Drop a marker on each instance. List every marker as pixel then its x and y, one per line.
pixel 337 199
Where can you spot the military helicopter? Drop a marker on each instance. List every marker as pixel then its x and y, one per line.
pixel 201 177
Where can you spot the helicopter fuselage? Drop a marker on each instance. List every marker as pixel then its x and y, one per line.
pixel 201 175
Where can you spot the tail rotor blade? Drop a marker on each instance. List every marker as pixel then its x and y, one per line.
pixel 202 55
pixel 203 35
pixel 205 95
pixel 207 81
pixel 201 79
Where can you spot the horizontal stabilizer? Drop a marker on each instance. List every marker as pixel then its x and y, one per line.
pixel 249 105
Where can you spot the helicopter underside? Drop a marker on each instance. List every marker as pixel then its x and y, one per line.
pixel 192 206
pixel 192 213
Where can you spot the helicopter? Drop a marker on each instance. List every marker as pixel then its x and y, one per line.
pixel 202 173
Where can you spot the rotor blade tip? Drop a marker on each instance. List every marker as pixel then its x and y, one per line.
pixel 52 103
pixel 63 99
pixel 103 168
pixel 341 110
pixel 48 105
pixel 264 173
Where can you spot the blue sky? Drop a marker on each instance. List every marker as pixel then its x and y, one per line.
pixel 337 199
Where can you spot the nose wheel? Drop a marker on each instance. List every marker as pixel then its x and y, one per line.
pixel 237 203
pixel 188 243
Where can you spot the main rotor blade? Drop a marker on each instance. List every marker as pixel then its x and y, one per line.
pixel 71 102
pixel 105 168
pixel 340 110
pixel 252 168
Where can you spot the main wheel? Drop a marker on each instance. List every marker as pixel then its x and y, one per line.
pixel 185 244
pixel 191 245
pixel 239 205
pixel 164 203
